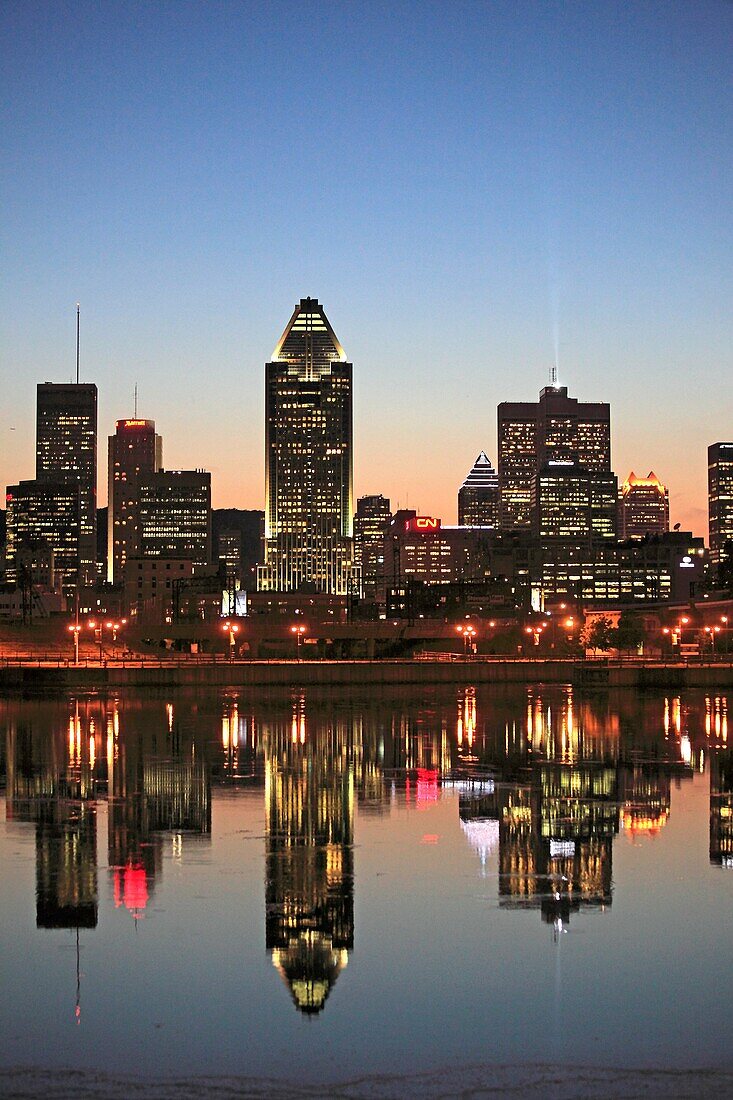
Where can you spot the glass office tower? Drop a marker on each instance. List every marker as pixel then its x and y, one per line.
pixel 308 460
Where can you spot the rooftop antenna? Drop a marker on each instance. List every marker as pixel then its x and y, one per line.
pixel 136 400
pixel 77 343
pixel 553 376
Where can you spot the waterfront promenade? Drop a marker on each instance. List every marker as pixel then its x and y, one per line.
pixel 48 672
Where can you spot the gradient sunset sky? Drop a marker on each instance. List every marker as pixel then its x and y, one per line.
pixel 475 191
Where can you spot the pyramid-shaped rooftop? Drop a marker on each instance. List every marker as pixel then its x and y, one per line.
pixel 308 339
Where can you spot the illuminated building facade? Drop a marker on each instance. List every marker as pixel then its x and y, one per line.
pixel 720 501
pixel 229 552
pixel 66 449
pixel 571 502
pixel 308 460
pixel 133 450
pixel 44 512
pixel 555 429
pixel 371 523
pixel 478 497
pixel 174 509
pixel 643 507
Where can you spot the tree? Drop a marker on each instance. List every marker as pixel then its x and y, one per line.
pixel 598 633
pixel 629 632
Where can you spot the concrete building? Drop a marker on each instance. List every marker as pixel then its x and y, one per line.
pixel 44 512
pixel 133 450
pixel 174 508
pixel 532 435
pixel 308 459
pixel 371 523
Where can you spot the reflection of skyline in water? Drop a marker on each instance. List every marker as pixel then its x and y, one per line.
pixel 544 783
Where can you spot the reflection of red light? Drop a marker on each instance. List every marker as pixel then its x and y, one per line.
pixel 131 888
pixel 429 838
pixel 427 784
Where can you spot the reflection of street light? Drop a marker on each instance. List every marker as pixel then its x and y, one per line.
pixel 298 631
pixel 469 633
pixel 233 630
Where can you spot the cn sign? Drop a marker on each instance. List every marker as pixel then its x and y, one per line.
pixel 422 523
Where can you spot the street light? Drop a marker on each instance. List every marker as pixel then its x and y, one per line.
pixel 298 631
pixel 233 630
pixel 469 633
pixel 74 629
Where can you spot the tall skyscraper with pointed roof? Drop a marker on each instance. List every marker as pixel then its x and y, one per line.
pixel 308 460
pixel 478 497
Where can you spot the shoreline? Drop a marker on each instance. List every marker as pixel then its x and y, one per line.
pixel 29 675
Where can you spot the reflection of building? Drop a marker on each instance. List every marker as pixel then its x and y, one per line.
pixel 153 789
pixel 51 782
pixel 308 459
pixel 309 793
pixel 646 799
pixel 643 507
pixel 134 449
pixel 721 808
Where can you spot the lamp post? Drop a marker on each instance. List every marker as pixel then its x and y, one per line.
pixel 74 628
pixel 298 631
pixel 232 629
pixel 469 633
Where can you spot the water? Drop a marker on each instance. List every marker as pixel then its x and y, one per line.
pixel 417 891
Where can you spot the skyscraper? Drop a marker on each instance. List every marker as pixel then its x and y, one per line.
pixel 556 430
pixel 133 450
pixel 308 459
pixel 478 497
pixel 371 523
pixel 643 507
pixel 44 512
pixel 66 449
pixel 174 515
pixel 720 500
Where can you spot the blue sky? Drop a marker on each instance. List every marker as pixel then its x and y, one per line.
pixel 473 191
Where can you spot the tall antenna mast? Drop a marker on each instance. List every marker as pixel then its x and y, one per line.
pixel 136 400
pixel 77 343
pixel 553 376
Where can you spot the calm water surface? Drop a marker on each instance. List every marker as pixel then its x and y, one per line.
pixel 316 887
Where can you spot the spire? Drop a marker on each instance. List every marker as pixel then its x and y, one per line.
pixel 308 340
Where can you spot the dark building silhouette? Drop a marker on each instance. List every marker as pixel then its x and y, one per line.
pixel 478 497
pixel 720 501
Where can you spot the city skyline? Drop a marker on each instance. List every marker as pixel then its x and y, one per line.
pixel 510 190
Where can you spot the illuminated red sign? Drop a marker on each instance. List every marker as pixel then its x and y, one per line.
pixel 132 423
pixel 422 523
pixel 8 498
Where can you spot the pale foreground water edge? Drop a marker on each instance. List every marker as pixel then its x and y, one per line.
pixel 469 891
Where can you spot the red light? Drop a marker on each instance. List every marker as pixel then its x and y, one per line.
pixel 422 523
